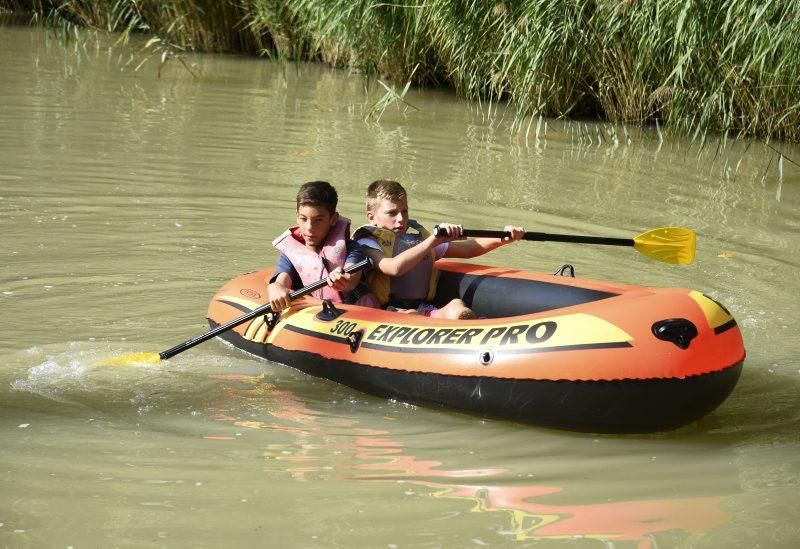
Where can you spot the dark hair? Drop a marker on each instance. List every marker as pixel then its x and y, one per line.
pixel 318 193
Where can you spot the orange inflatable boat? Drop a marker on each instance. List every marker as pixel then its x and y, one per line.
pixel 555 351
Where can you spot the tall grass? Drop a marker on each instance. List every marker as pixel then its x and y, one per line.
pixel 695 66
pixel 199 25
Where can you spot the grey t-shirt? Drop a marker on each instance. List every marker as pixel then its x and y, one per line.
pixel 413 284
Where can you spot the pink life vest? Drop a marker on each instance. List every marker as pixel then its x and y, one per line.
pixel 310 265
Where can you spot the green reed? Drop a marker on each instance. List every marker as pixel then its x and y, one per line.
pixel 695 66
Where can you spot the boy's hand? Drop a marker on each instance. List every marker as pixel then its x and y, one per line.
pixel 449 232
pixel 516 233
pixel 278 296
pixel 338 279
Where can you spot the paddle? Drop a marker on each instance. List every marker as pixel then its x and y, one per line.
pixel 668 244
pixel 262 310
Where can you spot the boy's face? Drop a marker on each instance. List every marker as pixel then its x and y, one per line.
pixel 315 222
pixel 390 214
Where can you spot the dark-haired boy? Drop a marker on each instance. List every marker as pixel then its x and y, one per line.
pixel 318 246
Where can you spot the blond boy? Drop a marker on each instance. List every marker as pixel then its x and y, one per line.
pixel 404 277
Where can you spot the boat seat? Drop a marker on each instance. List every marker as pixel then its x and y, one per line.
pixel 495 297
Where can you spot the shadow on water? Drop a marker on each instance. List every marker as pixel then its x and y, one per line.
pixel 764 406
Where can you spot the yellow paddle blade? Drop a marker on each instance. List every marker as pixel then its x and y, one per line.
pixel 133 358
pixel 668 244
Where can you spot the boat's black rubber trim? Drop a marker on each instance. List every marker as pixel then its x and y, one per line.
pixel 237 306
pixel 725 327
pixel 619 406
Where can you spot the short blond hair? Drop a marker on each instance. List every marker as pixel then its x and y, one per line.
pixel 384 189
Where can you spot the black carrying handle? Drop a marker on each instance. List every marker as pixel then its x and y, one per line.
pixel 264 309
pixel 542 237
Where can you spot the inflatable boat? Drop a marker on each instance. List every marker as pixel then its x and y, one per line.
pixel 551 350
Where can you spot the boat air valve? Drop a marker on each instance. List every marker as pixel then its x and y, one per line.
pixel 486 357
pixel 679 331
pixel 329 311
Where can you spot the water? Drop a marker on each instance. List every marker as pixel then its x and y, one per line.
pixel 126 200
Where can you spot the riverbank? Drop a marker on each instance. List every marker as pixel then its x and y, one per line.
pixel 694 67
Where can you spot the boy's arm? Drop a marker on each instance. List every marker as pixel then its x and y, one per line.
pixel 465 249
pixel 279 290
pixel 282 283
pixel 342 282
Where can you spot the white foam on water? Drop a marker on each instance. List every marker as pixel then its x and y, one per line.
pixel 54 373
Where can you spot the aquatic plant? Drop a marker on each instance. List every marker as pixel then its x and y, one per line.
pixel 391 97
pixel 694 66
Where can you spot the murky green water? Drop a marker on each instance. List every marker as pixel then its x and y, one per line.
pixel 126 200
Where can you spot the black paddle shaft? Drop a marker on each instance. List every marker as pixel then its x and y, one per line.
pixel 264 309
pixel 544 237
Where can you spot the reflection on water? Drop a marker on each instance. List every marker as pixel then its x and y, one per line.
pixel 647 523
pixel 524 510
